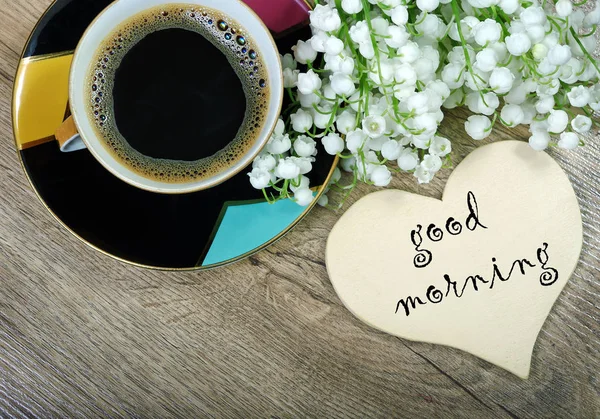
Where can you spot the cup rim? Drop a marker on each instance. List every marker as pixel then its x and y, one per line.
pixel 244 162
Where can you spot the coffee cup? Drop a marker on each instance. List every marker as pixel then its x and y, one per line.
pixel 174 97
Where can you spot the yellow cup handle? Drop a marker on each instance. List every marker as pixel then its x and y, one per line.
pixel 68 137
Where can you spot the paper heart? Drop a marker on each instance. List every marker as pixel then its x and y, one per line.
pixel 505 206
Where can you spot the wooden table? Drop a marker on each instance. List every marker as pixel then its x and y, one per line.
pixel 83 335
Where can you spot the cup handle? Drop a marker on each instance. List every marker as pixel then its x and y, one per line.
pixel 68 137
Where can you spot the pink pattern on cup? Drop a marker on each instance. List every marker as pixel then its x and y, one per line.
pixel 280 15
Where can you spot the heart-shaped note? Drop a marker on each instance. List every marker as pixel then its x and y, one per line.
pixel 479 270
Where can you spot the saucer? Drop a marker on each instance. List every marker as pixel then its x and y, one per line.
pixel 193 231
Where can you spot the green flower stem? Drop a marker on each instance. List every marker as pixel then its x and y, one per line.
pixel 291 95
pixel 590 114
pixel 585 52
pixel 456 12
pixel 367 16
pixel 330 122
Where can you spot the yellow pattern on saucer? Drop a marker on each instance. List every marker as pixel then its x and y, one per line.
pixel 40 98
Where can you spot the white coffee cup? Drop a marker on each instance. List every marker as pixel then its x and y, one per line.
pixel 103 26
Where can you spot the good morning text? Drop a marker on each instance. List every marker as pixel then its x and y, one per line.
pixel 473 283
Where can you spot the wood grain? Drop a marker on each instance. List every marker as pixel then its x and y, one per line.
pixel 82 335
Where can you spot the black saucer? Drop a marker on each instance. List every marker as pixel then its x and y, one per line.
pixel 189 231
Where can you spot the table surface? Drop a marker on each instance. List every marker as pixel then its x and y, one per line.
pixel 84 335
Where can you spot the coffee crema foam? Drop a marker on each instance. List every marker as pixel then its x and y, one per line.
pixel 221 31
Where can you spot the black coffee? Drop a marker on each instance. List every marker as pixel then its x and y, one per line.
pixel 179 93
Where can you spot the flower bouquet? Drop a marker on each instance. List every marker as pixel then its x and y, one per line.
pixel 372 82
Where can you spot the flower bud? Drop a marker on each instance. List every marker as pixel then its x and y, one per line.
pixel 539 51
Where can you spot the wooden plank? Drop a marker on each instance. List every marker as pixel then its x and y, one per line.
pixel 83 335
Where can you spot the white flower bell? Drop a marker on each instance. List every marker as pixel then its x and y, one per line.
pixel 304 197
pixel 374 126
pixel 346 121
pixel 265 161
pixel 487 32
pixel 325 18
pixel 259 178
pixel 581 124
pixel 518 43
pixel 440 146
pixel 428 5
pixel 512 115
pixel 568 140
pixel 391 150
pixel 356 140
pixel 432 163
pixel 400 15
pixel 352 6
pixel 302 121
pixel 486 59
pixel 334 46
pixel 423 175
pixel 381 176
pixel 304 183
pixel 339 64
pixel 304 52
pixel 408 160
pixel 478 126
pixel 539 140
pixel 501 80
pixel 579 96
pixel 305 146
pixel 559 55
pixel 308 82
pixel 557 121
pixel 333 144
pixel 342 84
pixel 279 145
pixel 396 36
pixel 290 77
pixel 287 61
pixel 564 8
pixel 544 105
